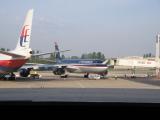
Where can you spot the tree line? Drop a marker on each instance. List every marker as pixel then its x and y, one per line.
pixel 93 55
pixel 146 55
pixel 4 49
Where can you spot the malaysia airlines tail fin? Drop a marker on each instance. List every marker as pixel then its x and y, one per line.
pixel 23 44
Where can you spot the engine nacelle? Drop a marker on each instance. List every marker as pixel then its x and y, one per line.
pixel 58 71
pixel 25 72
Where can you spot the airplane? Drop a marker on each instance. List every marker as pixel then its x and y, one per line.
pixel 63 66
pixel 11 61
pixel 86 66
pixel 135 62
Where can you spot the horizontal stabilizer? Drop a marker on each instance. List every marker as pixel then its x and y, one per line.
pixel 11 54
pixel 40 54
pixel 64 51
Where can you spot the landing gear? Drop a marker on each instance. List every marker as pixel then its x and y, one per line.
pixel 86 75
pixel 13 76
pixel 2 77
pixel 64 76
pixel 10 76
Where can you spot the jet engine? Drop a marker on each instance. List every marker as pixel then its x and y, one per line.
pixel 59 71
pixel 25 72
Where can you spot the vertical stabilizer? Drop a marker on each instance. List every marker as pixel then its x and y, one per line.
pixel 24 38
pixel 157 55
pixel 57 53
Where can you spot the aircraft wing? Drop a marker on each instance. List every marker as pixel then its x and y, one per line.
pixel 11 54
pixel 40 54
pixel 64 50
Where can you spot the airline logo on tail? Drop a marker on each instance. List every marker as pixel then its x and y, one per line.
pixel 24 35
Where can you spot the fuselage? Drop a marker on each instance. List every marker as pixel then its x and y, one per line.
pixel 9 64
pixel 80 61
pixel 87 68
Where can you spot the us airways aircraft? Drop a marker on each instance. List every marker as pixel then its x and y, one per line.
pixel 11 61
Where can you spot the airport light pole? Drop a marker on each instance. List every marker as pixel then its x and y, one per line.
pixel 157 55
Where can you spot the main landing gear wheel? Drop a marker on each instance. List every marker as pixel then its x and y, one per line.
pixel 86 75
pixel 64 76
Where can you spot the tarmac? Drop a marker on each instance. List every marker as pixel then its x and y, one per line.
pixel 77 89
pixel 77 83
pixel 48 80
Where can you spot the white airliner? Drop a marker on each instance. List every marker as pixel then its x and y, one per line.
pixel 12 60
pixel 138 62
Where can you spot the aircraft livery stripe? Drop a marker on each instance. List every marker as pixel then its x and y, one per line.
pixel 12 63
pixel 91 65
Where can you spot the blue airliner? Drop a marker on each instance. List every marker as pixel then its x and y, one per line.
pixel 86 66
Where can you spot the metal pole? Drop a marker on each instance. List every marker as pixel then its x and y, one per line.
pixel 157 55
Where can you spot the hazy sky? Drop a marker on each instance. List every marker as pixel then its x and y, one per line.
pixel 114 27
